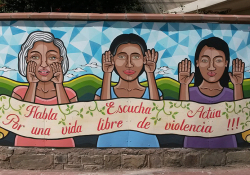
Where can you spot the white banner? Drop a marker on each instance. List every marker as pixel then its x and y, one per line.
pixel 97 117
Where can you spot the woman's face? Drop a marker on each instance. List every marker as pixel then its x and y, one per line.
pixel 129 61
pixel 44 54
pixel 212 64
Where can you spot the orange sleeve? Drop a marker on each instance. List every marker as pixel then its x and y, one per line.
pixel 70 93
pixel 21 91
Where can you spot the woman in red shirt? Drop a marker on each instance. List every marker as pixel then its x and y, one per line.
pixel 43 60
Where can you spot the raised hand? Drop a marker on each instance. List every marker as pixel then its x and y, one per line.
pixel 57 73
pixel 185 75
pixel 31 69
pixel 237 75
pixel 107 62
pixel 150 60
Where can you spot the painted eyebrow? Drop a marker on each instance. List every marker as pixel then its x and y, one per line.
pixel 35 52
pixel 135 53
pixel 52 51
pixel 205 56
pixel 122 53
pixel 218 56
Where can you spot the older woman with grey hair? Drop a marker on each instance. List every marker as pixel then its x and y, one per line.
pixel 43 61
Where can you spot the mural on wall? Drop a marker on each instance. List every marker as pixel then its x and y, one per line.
pixel 124 84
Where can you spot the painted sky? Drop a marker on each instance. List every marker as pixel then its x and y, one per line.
pixel 87 40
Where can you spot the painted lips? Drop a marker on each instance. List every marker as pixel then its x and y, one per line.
pixel 129 72
pixel 211 74
pixel 43 72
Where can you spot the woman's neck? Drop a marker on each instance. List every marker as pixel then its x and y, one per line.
pixel 210 86
pixel 123 84
pixel 45 86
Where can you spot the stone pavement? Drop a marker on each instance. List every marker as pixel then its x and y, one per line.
pixel 234 170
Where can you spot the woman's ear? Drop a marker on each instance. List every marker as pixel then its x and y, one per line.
pixel 60 59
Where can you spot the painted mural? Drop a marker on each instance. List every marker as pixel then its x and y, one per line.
pixel 124 84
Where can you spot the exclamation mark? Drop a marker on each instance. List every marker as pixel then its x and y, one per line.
pixel 238 120
pixel 233 124
pixel 228 124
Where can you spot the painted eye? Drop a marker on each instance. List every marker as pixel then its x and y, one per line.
pixel 218 61
pixel 35 57
pixel 52 58
pixel 121 57
pixel 135 57
pixel 204 61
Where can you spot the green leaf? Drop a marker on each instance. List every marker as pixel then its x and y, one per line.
pixel 227 115
pixel 153 118
pixel 23 105
pixel 154 104
pixel 103 113
pixel 67 109
pixel 223 113
pixel 91 114
pixel 3 111
pixel 188 108
pixel 60 122
pixel 19 112
pixel 4 97
pixel 176 113
pixel 246 113
pixel 188 104
pixel 230 106
pixel 71 107
pixel 153 109
pixel 171 106
pixel 63 123
pixel 103 108
pixel 239 106
pixel 170 102
pixel 0 98
pixel 87 112
pixel 155 122
pixel 81 115
pixel 0 116
pixel 242 123
pixel 243 126
pixel 81 110
pixel 173 116
pixel 68 106
pixel 246 124
pixel 226 104
pixel 159 119
pixel 247 118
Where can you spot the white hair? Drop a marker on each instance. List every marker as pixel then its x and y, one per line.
pixel 45 37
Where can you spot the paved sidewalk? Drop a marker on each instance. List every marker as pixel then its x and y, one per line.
pixel 166 171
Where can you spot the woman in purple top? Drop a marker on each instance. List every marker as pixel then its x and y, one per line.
pixel 211 79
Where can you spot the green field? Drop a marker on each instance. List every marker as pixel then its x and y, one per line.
pixel 86 86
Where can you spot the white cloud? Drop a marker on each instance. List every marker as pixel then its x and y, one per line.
pixel 92 65
pixel 6 69
pixel 78 70
pixel 164 68
pixel 70 75
pixel 162 72
pixel 247 70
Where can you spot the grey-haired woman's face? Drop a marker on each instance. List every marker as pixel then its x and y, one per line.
pixel 44 54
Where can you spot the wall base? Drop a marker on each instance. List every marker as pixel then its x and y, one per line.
pixel 118 158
